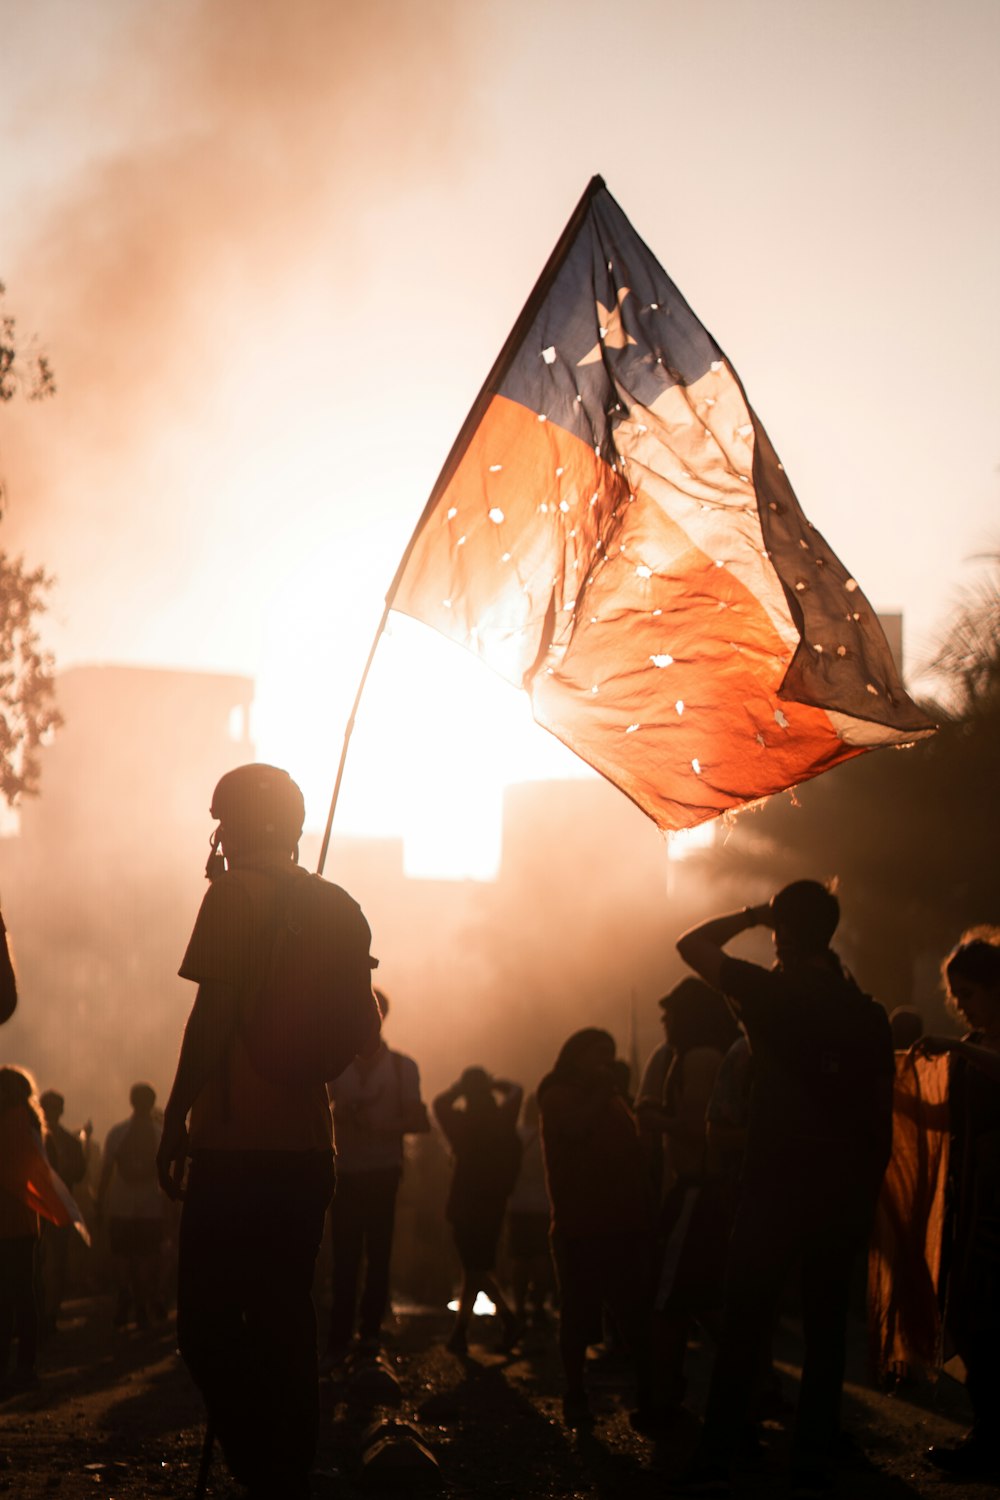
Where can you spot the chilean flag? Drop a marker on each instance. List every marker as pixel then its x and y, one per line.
pixel 613 533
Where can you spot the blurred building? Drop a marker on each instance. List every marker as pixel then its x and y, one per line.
pixel 102 881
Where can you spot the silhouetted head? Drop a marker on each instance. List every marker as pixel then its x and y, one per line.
pixel 971 973
pixel 805 916
pixel 18 1087
pixel 475 1083
pixel 53 1105
pixel 907 1026
pixel 695 1015
pixel 585 1054
pixel 142 1097
pixel 260 811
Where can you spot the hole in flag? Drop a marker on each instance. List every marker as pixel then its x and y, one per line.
pixel 841 650
pixel 496 515
pixel 560 472
pixel 760 739
pixel 803 543
pixel 871 688
pixel 850 585
pixel 594 688
pixel 818 648
pixel 780 719
pixel 542 417
pixel 564 506
pixel 663 659
pixel 446 603
pixel 654 307
pixel 461 541
pixel 632 729
pixel 549 355
pixel 452 512
pixel 745 430
pixel 800 586
pixel 696 766
pixel 506 557
pixel 716 366
pixel 657 612
pixel 679 705
pixel 643 571
pixel 495 468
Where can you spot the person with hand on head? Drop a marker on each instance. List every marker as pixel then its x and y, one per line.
pixel 818 1140
pixel 971 1268
pixel 481 1130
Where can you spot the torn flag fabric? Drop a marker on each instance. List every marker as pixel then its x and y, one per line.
pixel 613 533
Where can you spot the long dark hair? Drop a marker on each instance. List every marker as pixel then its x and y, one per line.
pixel 698 1016
pixel 568 1065
pixel 17 1087
pixel 976 959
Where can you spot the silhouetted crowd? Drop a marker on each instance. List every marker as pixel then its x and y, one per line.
pixel 786 1130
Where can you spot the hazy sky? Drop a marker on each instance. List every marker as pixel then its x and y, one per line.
pixel 274 248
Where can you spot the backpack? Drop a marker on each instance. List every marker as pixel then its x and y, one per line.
pixel 135 1158
pixel 315 1010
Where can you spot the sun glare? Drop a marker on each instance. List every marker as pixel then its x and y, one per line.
pixel 438 736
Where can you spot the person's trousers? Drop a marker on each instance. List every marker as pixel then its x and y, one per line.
pixel 774 1232
pixel 246 1326
pixel 361 1222
pixel 18 1307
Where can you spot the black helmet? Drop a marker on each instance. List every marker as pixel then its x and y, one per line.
pixel 260 802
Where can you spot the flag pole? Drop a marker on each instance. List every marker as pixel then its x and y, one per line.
pixel 347 739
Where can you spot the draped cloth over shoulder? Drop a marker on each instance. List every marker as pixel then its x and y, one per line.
pixel 904 1264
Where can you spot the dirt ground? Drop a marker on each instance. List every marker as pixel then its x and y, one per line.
pixel 115 1417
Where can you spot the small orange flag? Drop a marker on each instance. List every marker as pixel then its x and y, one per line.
pixel 25 1173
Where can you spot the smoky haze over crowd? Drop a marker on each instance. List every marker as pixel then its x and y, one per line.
pixel 245 195
pixel 103 889
pixel 261 246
